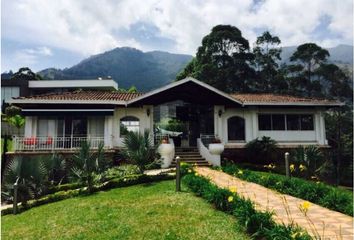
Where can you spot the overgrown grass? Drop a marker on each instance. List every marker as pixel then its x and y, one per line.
pixel 327 196
pixel 147 211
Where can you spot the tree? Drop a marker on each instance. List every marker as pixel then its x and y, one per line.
pixel 17 121
pixel 88 164
pixel 267 54
pixel 26 73
pixel 138 149
pixel 309 57
pixel 223 60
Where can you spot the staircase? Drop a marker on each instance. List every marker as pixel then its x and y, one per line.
pixel 190 155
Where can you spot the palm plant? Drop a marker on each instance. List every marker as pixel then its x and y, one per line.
pixel 263 150
pixel 138 149
pixel 29 174
pixel 56 167
pixel 87 164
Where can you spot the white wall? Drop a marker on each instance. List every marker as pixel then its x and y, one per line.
pixel 317 136
pixel 145 121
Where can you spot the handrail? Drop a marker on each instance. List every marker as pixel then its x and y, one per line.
pixel 54 143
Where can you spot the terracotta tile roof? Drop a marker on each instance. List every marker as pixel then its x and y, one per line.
pixel 85 95
pixel 268 98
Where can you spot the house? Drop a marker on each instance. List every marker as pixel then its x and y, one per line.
pixel 60 121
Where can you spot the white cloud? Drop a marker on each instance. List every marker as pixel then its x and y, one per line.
pixel 31 56
pixel 92 26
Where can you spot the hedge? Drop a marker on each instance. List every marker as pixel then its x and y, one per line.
pixel 259 224
pixel 69 192
pixel 316 192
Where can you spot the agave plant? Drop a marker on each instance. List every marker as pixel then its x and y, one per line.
pixel 139 150
pixel 29 174
pixel 87 164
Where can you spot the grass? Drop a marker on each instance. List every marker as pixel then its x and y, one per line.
pixel 147 211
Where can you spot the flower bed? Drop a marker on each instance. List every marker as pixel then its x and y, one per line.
pixel 330 197
pixel 259 224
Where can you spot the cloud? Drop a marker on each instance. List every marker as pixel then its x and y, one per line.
pixel 92 26
pixel 30 56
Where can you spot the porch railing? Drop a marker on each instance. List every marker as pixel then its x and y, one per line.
pixel 53 143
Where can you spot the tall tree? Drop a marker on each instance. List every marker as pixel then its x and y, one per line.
pixel 26 73
pixel 223 60
pixel 267 55
pixel 308 57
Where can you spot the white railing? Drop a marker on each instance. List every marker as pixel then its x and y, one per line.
pixel 53 143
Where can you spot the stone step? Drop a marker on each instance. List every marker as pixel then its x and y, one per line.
pixel 192 160
pixel 206 164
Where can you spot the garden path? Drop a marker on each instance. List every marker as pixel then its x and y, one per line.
pixel 319 222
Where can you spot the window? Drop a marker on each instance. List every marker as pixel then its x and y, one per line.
pixel 96 126
pixel 236 129
pixel 293 122
pixel 265 122
pixel 278 122
pixel 306 122
pixel 9 92
pixel 129 124
pixel 281 122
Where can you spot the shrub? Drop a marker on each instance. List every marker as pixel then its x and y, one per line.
pixel 261 151
pixel 139 150
pixel 311 158
pixel 259 224
pixel 316 192
pixel 88 164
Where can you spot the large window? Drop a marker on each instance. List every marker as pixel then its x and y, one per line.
pixel 236 129
pixel 281 122
pixel 96 126
pixel 129 124
pixel 9 92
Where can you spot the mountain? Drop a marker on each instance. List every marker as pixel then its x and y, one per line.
pixel 127 66
pixel 341 54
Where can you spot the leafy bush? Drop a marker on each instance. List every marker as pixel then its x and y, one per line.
pixel 259 224
pixel 139 150
pixel 121 171
pixel 29 174
pixel 316 192
pixel 88 164
pixel 261 151
pixel 311 158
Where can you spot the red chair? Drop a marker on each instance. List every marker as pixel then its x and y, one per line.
pixel 30 141
pixel 49 141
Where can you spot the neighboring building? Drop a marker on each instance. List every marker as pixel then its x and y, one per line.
pixel 60 121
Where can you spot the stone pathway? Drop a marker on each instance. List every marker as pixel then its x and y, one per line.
pixel 328 224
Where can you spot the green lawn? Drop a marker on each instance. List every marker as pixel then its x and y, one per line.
pixel 149 211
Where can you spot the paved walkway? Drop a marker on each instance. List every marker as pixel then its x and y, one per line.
pixel 328 224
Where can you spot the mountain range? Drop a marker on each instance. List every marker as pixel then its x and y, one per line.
pixel 150 70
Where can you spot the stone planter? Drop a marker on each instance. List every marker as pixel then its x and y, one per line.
pixel 216 148
pixel 166 150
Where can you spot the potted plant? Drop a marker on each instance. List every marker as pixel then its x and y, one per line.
pixel 216 147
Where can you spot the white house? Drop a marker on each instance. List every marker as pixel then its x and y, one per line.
pixel 60 121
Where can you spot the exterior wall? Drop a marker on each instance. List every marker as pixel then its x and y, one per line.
pixel 316 136
pixel 146 122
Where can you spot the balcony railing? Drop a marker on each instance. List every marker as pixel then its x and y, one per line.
pixel 53 143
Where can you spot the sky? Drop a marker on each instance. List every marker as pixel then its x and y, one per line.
pixel 60 33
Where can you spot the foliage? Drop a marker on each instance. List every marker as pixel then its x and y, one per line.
pixel 261 151
pixel 339 132
pixel 172 124
pixel 29 174
pixel 223 60
pixel 56 168
pixel 121 171
pixel 12 110
pixel 26 73
pixel 17 121
pixel 259 224
pixel 333 198
pixel 267 55
pixel 139 150
pixel 311 158
pixel 87 164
